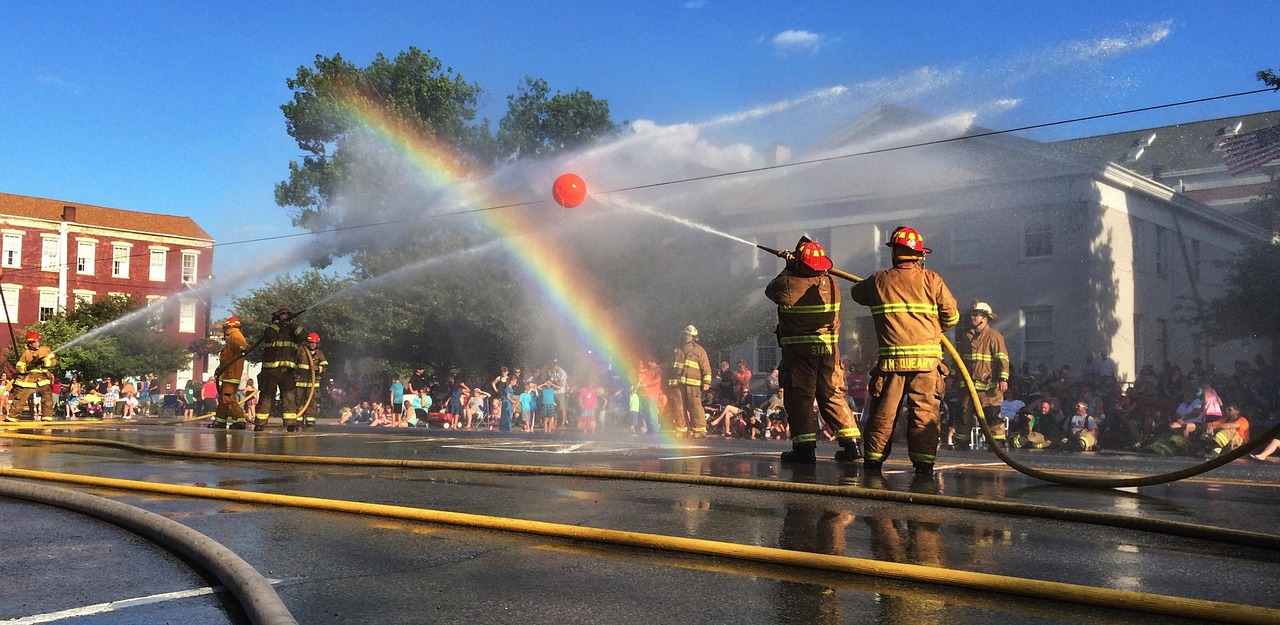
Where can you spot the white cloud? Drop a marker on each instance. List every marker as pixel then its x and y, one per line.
pixel 789 42
pixel 695 4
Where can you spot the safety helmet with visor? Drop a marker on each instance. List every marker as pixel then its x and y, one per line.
pixel 909 238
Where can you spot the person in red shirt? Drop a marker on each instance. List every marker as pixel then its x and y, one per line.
pixel 209 396
pixel 588 402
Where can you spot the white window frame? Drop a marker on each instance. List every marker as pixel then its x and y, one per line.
pixel 11 250
pixel 120 259
pixel 86 253
pixel 1037 336
pixel 187 316
pixel 968 242
pixel 50 252
pixel 190 267
pixel 82 296
pixel 1037 233
pixel 48 302
pixel 157 263
pixel 11 294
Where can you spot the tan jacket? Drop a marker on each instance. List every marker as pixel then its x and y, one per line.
pixel 987 359
pixel 808 313
pixel 690 367
pixel 231 358
pixel 911 307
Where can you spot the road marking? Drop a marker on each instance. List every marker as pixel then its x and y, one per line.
pixel 110 606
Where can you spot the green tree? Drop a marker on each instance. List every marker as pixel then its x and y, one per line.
pixel 132 347
pixel 1269 77
pixel 540 124
pixel 447 311
pixel 334 320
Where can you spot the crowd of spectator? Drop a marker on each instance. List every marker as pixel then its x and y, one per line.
pixel 1166 410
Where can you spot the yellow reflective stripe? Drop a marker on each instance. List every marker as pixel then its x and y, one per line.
pixel 805 438
pixel 850 432
pixel 951 320
pixel 983 386
pixel 691 364
pixel 229 380
pixel 918 457
pixel 798 309
pixel 280 344
pixel 931 349
pixel 829 339
pixel 906 307
pixel 278 364
pixel 690 381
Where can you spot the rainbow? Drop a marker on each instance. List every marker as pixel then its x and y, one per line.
pixel 584 313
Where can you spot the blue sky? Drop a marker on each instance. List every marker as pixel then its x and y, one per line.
pixel 173 107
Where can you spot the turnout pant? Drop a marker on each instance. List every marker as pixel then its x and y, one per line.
pixel 228 410
pixel 806 378
pixel 686 408
pixel 22 396
pixel 922 392
pixel 269 382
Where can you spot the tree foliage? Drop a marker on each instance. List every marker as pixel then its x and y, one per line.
pixel 418 301
pixel 125 345
pixel 540 124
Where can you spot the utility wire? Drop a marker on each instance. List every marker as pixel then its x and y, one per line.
pixel 740 172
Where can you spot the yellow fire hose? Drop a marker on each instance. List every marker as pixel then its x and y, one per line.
pixel 1160 526
pixel 1039 589
pixel 1069 480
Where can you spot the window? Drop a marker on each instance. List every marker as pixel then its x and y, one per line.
pixel 1162 252
pixel 189 264
pixel 82 297
pixel 968 241
pixel 767 357
pixel 50 253
pixel 1140 338
pixel 1037 235
pixel 156 273
pixel 1037 336
pixel 1139 234
pixel 10 294
pixel 85 251
pixel 119 261
pixel 11 252
pixel 187 316
pixel 48 304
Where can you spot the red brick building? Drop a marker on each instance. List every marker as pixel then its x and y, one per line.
pixel 54 254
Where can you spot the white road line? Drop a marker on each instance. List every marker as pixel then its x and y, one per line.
pixel 111 606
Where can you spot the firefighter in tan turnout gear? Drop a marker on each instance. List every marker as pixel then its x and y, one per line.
pixel 34 376
pixel 280 342
pixel 311 365
pixel 690 374
pixel 230 369
pixel 985 355
pixel 808 300
pixel 911 307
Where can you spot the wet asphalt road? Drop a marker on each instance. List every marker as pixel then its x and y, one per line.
pixel 331 567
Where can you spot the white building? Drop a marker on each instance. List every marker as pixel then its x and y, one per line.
pixel 1075 253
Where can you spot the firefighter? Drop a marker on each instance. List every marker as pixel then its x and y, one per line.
pixel 808 331
pixel 229 413
pixel 910 307
pixel 311 365
pixel 280 342
pixel 983 351
pixel 34 376
pixel 690 375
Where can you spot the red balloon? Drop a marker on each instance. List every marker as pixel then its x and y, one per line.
pixel 569 190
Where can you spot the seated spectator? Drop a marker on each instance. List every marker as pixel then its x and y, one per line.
pixel 1033 428
pixel 1227 433
pixel 1081 429
pixel 1266 452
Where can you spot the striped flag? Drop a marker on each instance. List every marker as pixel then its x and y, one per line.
pixel 1251 150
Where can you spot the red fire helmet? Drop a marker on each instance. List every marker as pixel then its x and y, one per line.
pixel 313 338
pixel 33 336
pixel 907 237
pixel 232 322
pixel 811 255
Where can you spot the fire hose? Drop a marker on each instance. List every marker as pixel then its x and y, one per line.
pixel 1058 478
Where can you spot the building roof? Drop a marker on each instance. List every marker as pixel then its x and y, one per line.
pixel 1164 149
pixel 89 215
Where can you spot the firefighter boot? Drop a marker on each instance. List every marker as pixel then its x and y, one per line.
pixel 923 469
pixel 800 454
pixel 849 451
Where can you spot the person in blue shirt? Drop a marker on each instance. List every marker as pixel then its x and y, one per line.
pixel 396 400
